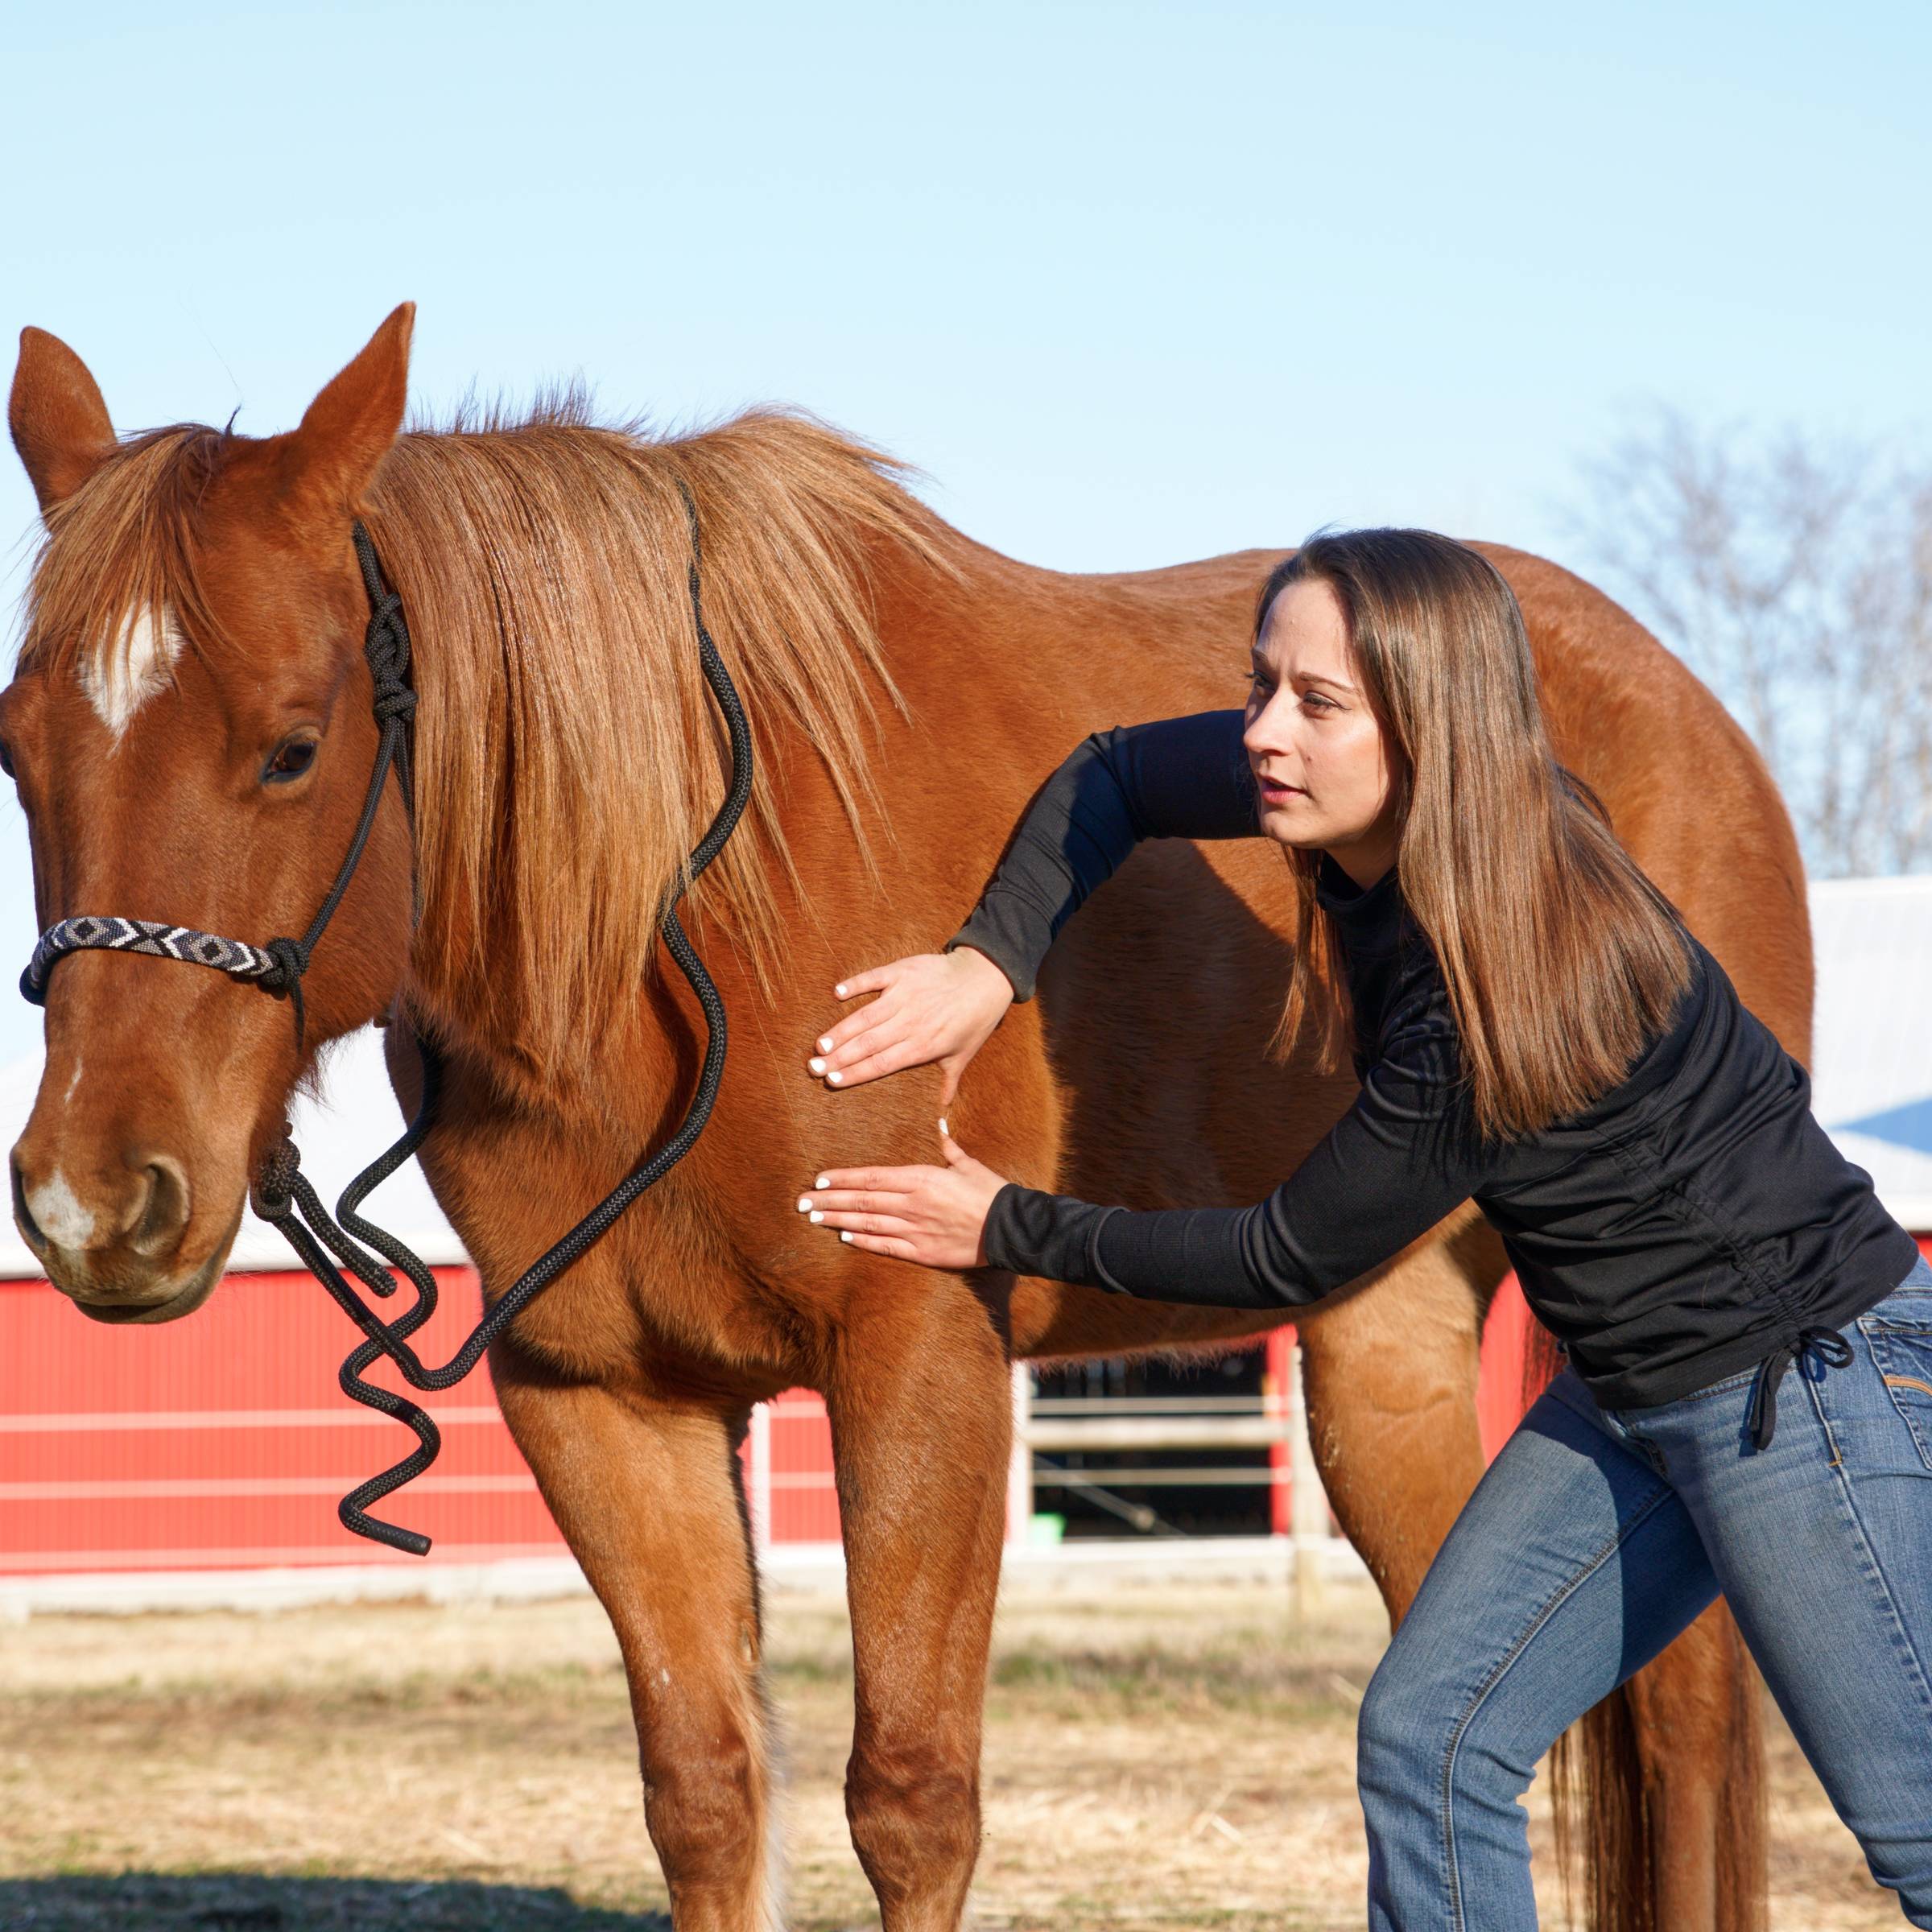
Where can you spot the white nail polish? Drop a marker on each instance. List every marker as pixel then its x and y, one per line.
pixel 816 1064
pixel 839 991
pixel 845 1237
pixel 816 1217
pixel 824 1180
pixel 804 1203
pixel 825 1044
pixel 944 1128
pixel 832 1080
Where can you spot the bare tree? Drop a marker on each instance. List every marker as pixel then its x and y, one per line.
pixel 1795 575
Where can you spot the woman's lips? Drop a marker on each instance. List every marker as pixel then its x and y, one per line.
pixel 1272 788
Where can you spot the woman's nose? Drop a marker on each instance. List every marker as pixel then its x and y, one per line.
pixel 1263 741
pixel 1270 728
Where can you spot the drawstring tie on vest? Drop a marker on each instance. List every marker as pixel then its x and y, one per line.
pixel 1827 1344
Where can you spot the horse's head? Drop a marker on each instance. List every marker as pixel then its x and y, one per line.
pixel 190 728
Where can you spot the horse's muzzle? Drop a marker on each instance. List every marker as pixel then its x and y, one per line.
pixel 114 1246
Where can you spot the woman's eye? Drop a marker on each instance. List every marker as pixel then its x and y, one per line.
pixel 290 760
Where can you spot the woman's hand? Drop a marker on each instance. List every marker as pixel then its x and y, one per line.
pixel 934 1215
pixel 931 1006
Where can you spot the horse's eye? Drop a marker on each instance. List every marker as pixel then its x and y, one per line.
pixel 6 761
pixel 290 760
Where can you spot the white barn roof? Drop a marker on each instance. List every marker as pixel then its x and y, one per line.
pixel 1872 1050
pixel 1872 1082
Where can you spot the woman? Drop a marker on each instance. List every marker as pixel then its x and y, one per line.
pixel 1533 1028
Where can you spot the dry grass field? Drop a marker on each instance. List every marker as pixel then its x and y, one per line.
pixel 1156 1757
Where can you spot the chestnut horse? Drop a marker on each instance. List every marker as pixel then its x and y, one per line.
pixel 194 621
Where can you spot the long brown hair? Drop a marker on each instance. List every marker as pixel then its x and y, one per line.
pixel 1561 959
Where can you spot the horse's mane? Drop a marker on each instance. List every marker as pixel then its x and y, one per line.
pixel 569 755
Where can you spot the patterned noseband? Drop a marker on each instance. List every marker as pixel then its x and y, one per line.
pixel 235 957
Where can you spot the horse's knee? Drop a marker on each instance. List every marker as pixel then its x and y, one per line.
pixel 704 1807
pixel 912 1810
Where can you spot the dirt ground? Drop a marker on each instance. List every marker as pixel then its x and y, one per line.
pixel 1156 1757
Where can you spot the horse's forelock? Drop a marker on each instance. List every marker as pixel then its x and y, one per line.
pixel 116 590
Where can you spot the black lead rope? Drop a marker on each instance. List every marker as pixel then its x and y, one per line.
pixel 283 1195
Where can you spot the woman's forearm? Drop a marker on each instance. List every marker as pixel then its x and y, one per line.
pixel 1397 1161
pixel 1193 1255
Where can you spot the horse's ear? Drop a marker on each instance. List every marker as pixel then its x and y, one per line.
pixel 59 422
pixel 332 458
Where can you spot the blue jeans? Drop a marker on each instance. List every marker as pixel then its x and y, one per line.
pixel 1594 1538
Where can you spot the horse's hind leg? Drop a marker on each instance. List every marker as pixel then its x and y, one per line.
pixel 1389 1375
pixel 921 1407
pixel 1668 1767
pixel 1694 1730
pixel 646 1495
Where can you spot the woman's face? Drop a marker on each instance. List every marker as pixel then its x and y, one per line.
pixel 1323 773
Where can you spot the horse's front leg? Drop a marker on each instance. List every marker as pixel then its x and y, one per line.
pixel 921 1407
pixel 646 1495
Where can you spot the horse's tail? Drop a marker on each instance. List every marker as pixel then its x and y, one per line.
pixel 1604 1815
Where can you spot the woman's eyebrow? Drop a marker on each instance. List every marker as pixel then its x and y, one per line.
pixel 1340 684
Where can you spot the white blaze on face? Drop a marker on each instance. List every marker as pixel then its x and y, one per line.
pixel 131 667
pixel 58 1214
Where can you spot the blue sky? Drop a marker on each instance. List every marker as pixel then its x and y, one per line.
pixel 1131 283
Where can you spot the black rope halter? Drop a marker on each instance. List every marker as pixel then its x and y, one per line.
pixel 282 1194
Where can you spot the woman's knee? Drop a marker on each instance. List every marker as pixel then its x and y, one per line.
pixel 1423 1740
pixel 1400 1733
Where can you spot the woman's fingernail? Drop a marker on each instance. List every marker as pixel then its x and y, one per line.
pixel 804 1203
pixel 839 991
pixel 825 1044
pixel 845 1237
pixel 832 1080
pixel 816 1064
pixel 824 1180
pixel 816 1216
pixel 944 1128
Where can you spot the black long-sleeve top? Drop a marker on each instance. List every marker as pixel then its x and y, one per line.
pixel 1693 1221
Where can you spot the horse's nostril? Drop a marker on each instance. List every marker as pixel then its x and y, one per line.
pixel 24 1216
pixel 165 1213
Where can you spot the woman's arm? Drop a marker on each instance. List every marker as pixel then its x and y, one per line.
pixel 1176 778
pixel 1401 1158
pixel 1184 778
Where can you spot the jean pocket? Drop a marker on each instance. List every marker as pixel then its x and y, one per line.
pixel 1901 1352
